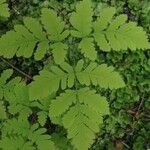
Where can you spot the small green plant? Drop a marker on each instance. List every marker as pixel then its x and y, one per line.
pixel 65 89
pixel 24 136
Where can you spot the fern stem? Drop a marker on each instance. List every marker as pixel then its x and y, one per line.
pixel 18 70
pixel 141 103
pixel 127 146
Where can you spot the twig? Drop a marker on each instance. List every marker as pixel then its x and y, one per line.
pixel 16 11
pixel 21 72
pixel 127 146
pixel 141 103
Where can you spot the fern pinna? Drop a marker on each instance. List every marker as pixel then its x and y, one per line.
pixel 4 10
pixel 65 90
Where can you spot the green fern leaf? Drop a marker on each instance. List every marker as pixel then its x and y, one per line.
pixel 59 51
pixel 43 44
pixel 2 111
pixel 9 129
pixel 4 10
pixel 15 143
pixel 53 25
pixel 80 115
pixel 118 34
pixel 24 39
pixel 87 48
pixel 42 117
pixel 61 142
pixel 30 37
pixel 62 103
pixel 9 86
pixel 24 136
pixel 79 110
pixel 48 81
pixel 81 20
pixel 4 77
pixel 101 75
pixel 19 101
pixel 15 93
pixel 82 126
pixel 42 106
pixel 42 140
pixel 106 16
pixel 55 29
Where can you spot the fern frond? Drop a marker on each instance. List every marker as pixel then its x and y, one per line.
pixel 42 106
pixel 81 126
pixel 101 75
pixel 9 86
pixel 14 143
pixel 54 26
pixel 118 34
pixel 105 18
pixel 24 39
pixel 80 111
pixel 16 94
pixel 19 101
pixel 36 29
pixel 30 37
pixel 37 135
pixel 2 111
pixel 55 29
pixel 59 51
pixel 88 48
pixel 61 142
pixel 81 20
pixel 42 116
pixel 6 74
pixel 62 103
pixel 9 129
pixel 48 81
pixel 21 133
pixel 4 10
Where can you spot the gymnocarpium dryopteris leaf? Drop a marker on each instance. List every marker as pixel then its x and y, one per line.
pixel 32 36
pixel 81 113
pixel 118 34
pixel 43 108
pixel 4 10
pixel 81 21
pixel 107 31
pixel 49 34
pixel 18 99
pixel 5 75
pixel 56 33
pixel 19 134
pixel 75 104
pixel 2 111
pixel 16 93
pixel 63 76
pixel 100 75
pixel 48 81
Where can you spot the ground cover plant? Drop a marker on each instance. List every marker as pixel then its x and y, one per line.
pixel 67 77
